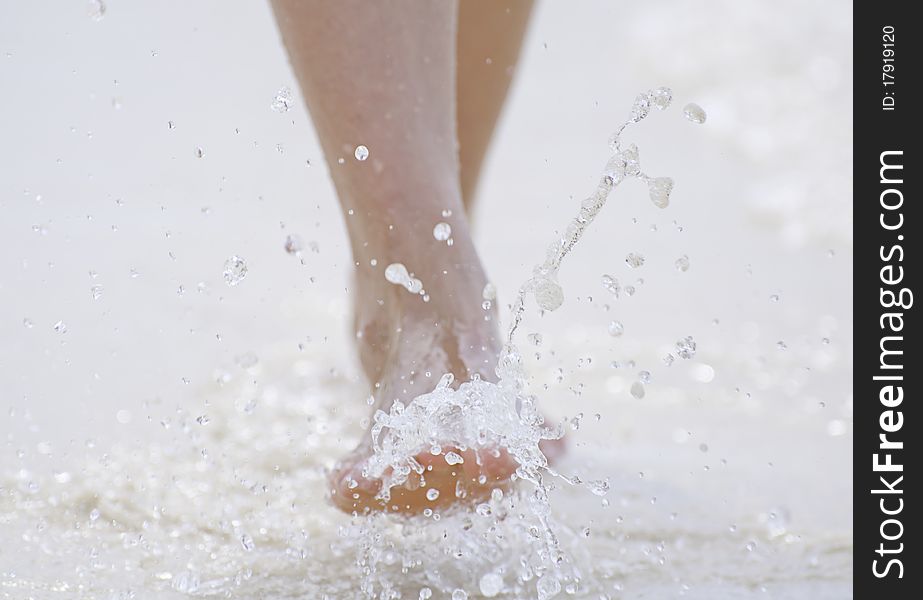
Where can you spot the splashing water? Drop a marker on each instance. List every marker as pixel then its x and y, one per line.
pixel 283 100
pixel 694 113
pixel 442 231
pixel 233 505
pixel 486 416
pixel 96 10
pixel 397 274
pixel 235 270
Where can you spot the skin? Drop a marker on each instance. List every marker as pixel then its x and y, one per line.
pixel 410 80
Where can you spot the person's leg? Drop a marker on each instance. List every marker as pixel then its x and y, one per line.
pixel 490 34
pixel 382 74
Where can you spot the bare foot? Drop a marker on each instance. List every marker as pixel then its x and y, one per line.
pixel 406 345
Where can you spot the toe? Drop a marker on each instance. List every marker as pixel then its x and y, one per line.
pixel 351 492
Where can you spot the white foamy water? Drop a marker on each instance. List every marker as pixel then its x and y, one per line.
pixel 130 469
pixel 234 503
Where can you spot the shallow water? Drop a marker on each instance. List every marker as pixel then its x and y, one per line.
pixel 233 504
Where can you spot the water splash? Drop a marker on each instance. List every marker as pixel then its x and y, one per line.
pixel 235 270
pixel 397 274
pixel 96 10
pixel 623 165
pixel 442 231
pixel 283 100
pixel 694 113
pixel 484 416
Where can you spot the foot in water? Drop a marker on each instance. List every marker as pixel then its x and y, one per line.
pixel 404 107
pixel 406 344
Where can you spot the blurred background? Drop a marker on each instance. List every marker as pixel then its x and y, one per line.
pixel 139 150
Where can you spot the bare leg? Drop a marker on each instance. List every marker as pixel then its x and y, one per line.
pixel 382 74
pixel 490 34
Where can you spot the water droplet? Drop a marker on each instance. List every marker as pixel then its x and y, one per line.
pixel 96 10
pixel 641 108
pixel 96 291
pixel 459 595
pixel 611 284
pixel 644 377
pixel 432 494
pixel 94 514
pixel 535 339
pixel 283 100
pixel 780 345
pixel 27 323
pixel 442 231
pixel 626 163
pixel 548 294
pixel 659 189
pixel 637 390
pixel 686 347
pixel 426 593
pixel 247 542
pixel 396 273
pixel 682 263
pixel 199 152
pixel 599 487
pixel 451 458
pixel 634 260
pixel 548 586
pixel 489 292
pixel 616 329
pixel 668 359
pixel 185 582
pixel 235 270
pixel 774 298
pixel 60 327
pixel 695 113
pixel 171 125
pixel 661 97
pixel 490 585
pixel 361 153
pixel 293 244
pixel 203 420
